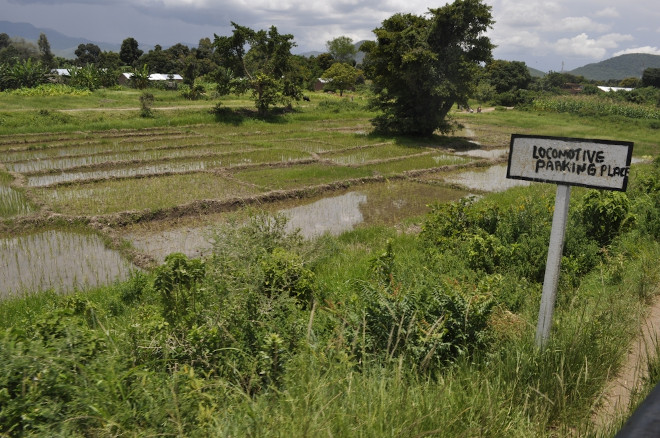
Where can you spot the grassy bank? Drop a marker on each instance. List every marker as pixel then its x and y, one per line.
pixel 420 329
pixel 372 333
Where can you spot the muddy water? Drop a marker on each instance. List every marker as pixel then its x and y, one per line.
pixel 58 260
pixel 388 203
pixel 491 179
pixel 490 154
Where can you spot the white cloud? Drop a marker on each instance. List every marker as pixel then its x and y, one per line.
pixel 583 46
pixel 529 40
pixel 576 24
pixel 608 13
pixel 646 49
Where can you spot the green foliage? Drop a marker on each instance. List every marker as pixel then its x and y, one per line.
pixel 265 67
pixel 129 52
pixel 343 76
pixel 508 76
pixel 146 101
pixel 43 369
pixel 285 273
pixel 176 280
pixel 424 325
pixel 342 49
pixel 86 77
pixel 651 77
pixel 604 213
pixel 27 73
pixel 595 106
pixel 422 65
pixel 140 77
pixel 195 92
pixel 51 90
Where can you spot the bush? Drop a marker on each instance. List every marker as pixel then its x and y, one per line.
pixel 176 280
pixel 604 213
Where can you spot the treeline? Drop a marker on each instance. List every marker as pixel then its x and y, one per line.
pixel 509 83
pixel 418 68
pixel 18 56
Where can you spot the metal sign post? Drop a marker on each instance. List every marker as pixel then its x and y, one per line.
pixel 601 164
pixel 551 278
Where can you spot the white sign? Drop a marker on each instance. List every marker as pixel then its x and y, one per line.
pixel 601 164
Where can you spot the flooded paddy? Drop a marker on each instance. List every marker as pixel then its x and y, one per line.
pixel 490 179
pixel 190 177
pixel 334 213
pixel 57 260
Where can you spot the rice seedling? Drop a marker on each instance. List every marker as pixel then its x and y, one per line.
pixel 112 196
pixel 417 162
pixel 57 260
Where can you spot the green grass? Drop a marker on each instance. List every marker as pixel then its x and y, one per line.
pixel 641 132
pixel 141 194
pixel 300 176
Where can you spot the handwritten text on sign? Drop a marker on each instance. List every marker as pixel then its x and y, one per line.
pixel 574 161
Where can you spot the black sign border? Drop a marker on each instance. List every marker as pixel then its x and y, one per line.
pixel 628 144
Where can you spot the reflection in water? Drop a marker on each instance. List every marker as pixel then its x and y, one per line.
pixel 491 154
pixel 57 260
pixel 492 179
pixel 191 241
pixel 388 203
pixel 330 215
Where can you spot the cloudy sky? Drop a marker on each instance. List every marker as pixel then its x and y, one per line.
pixel 547 35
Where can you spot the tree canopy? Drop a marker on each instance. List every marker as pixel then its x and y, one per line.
pixel 651 77
pixel 342 49
pixel 259 61
pixel 421 65
pixel 343 76
pixel 508 75
pixel 129 52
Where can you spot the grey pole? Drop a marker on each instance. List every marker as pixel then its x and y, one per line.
pixel 551 278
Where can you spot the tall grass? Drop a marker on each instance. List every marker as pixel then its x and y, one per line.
pixel 594 106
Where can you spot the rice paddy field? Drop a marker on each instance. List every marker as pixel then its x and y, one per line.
pixel 416 320
pixel 83 207
pixel 83 169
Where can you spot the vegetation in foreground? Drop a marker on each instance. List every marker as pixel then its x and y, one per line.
pixel 272 336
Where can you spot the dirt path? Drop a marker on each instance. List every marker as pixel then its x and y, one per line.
pixel 617 394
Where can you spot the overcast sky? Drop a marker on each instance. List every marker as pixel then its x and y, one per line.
pixel 545 34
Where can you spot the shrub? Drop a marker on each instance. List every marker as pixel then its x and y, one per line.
pixel 176 280
pixel 603 214
pixel 284 273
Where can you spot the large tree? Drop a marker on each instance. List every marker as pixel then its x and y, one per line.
pixel 47 57
pixel 508 75
pixel 651 77
pixel 88 54
pixel 342 49
pixel 129 52
pixel 343 76
pixel 421 65
pixel 259 61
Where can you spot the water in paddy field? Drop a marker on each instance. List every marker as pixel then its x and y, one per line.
pixel 491 179
pixel 59 260
pixel 335 213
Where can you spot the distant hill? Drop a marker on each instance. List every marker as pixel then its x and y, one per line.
pixel 536 73
pixel 620 67
pixel 60 44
